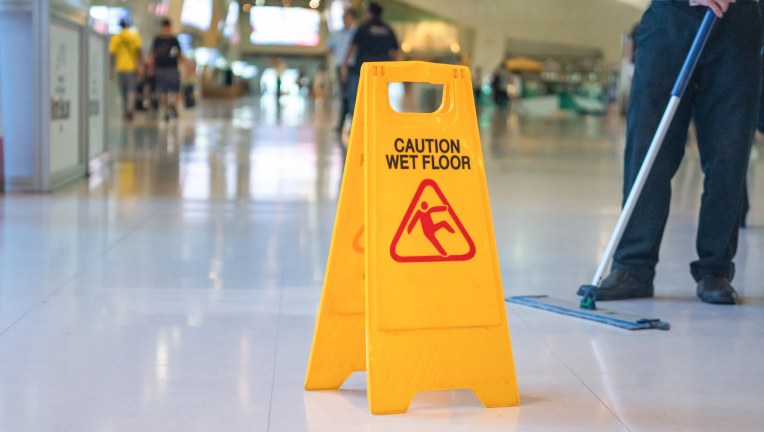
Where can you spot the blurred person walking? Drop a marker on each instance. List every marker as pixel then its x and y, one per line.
pixel 339 43
pixel 722 99
pixel 477 83
pixel 500 82
pixel 319 84
pixel 164 59
pixel 374 41
pixel 127 61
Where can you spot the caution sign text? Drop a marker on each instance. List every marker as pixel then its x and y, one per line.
pixel 427 154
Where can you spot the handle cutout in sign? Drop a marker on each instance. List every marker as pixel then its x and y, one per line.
pixel 415 97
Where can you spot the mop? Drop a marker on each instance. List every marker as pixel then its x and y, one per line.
pixel 587 308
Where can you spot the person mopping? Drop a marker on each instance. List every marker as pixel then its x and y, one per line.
pixel 722 98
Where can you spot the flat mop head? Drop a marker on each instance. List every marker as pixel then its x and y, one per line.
pixel 604 316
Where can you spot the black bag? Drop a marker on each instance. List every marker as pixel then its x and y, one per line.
pixel 189 100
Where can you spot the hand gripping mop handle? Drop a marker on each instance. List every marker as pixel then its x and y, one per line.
pixel 676 96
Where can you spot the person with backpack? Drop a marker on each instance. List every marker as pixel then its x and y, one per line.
pixel 373 41
pixel 126 60
pixel 165 58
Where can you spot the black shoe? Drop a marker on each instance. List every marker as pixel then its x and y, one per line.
pixel 620 285
pixel 716 290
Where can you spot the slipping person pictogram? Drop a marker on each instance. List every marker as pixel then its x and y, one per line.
pixel 413 245
pixel 429 227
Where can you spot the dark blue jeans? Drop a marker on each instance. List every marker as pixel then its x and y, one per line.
pixel 722 99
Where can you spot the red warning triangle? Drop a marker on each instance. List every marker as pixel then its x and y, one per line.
pixel 431 231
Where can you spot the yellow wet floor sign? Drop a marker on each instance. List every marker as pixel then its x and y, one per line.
pixel 412 292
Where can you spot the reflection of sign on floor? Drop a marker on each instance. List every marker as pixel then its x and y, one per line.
pixel 431 230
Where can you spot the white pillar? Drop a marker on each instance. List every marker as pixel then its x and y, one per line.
pixel 488 49
pixel 19 81
pixel 43 74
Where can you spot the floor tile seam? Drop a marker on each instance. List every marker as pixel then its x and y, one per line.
pixel 538 336
pixel 602 402
pixel 568 367
pixel 275 356
pixel 130 231
pixel 170 365
pixel 102 254
pixel 78 272
pixel 43 300
pixel 687 375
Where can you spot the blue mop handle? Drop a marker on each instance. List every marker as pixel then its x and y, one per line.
pixel 692 58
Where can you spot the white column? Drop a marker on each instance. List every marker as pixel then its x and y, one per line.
pixel 19 84
pixel 488 49
pixel 43 79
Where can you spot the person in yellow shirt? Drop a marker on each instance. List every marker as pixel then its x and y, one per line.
pixel 126 60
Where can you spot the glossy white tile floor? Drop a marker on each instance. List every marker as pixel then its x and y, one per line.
pixel 179 291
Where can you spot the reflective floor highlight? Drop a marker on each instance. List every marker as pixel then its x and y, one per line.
pixel 178 290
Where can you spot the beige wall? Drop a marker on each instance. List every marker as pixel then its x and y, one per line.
pixel 590 23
